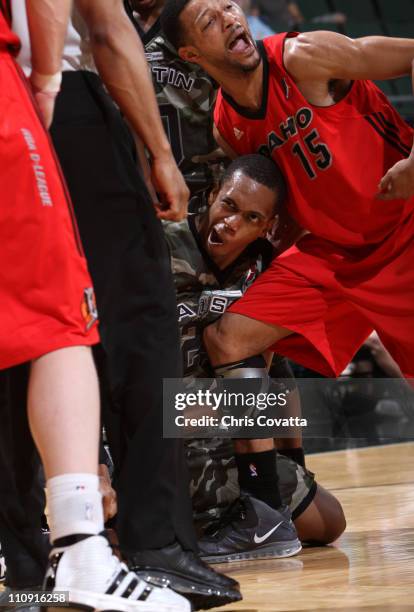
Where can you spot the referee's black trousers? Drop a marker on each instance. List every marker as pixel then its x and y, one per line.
pixel 130 268
pixel 22 499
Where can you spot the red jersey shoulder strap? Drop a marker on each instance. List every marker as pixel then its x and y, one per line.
pixel 274 46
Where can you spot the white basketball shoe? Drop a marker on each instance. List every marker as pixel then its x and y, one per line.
pixel 96 580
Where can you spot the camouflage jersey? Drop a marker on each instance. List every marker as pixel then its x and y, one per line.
pixel 186 97
pixel 204 292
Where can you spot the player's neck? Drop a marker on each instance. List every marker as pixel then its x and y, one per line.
pixel 246 88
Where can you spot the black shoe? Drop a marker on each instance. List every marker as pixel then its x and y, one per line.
pixel 250 529
pixel 186 574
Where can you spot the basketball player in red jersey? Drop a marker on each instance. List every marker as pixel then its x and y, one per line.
pixel 47 316
pixel 305 100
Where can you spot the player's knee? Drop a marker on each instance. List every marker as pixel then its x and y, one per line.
pixel 336 524
pixel 323 521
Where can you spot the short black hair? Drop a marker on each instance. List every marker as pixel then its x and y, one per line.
pixel 171 24
pixel 261 169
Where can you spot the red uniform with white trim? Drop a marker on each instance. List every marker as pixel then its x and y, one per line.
pixel 46 296
pixel 353 272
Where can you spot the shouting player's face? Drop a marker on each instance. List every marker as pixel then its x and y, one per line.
pixel 217 36
pixel 242 211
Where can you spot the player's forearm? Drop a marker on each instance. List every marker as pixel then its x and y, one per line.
pixel 48 23
pixel 384 58
pixel 144 165
pixel 411 156
pixel 398 182
pixel 121 62
pixel 327 55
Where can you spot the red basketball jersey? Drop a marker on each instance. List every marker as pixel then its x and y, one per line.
pixel 333 157
pixel 8 39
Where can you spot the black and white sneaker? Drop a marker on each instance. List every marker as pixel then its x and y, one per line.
pixel 187 574
pixel 96 580
pixel 250 529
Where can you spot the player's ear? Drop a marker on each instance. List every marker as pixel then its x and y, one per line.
pixel 270 226
pixel 189 54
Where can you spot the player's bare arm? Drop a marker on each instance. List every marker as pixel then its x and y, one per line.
pixel 121 62
pixel 316 58
pixel 320 56
pixel 145 166
pixel 48 22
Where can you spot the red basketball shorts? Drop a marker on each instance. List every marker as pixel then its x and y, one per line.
pixel 333 298
pixel 46 296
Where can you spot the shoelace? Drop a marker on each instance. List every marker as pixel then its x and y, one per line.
pixel 236 511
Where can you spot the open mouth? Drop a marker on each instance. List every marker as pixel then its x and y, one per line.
pixel 240 42
pixel 214 238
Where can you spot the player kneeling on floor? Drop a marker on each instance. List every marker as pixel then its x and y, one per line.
pixel 216 254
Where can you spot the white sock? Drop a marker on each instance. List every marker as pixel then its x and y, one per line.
pixel 74 505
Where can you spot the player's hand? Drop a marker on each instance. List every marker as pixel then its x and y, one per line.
pixel 398 183
pixel 171 188
pixel 45 89
pixel 109 501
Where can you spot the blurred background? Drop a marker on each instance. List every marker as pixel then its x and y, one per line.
pixel 354 18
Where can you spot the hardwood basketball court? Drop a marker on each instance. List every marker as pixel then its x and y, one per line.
pixel 371 566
